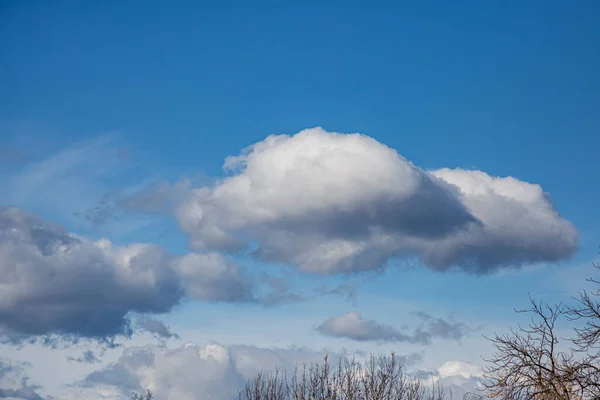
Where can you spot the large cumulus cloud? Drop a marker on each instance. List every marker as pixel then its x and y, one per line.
pixel 328 202
pixel 53 282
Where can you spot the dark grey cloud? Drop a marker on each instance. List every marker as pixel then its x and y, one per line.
pixel 353 326
pixel 334 203
pixel 58 285
pixel 155 327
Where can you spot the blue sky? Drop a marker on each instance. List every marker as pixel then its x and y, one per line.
pixel 102 103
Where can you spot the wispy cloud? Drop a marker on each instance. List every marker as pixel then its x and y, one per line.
pixel 81 165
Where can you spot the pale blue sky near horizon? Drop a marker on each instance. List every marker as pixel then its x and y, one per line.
pixel 509 88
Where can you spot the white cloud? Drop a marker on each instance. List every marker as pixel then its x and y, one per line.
pixel 456 376
pixel 217 371
pixel 460 368
pixel 518 223
pixel 353 326
pixel 191 371
pixel 329 202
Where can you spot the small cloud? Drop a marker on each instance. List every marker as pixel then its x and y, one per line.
pixel 88 357
pixel 353 326
pixel 436 327
pixel 155 327
pixel 460 368
pixel 460 378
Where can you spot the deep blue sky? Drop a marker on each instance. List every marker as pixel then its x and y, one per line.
pixel 510 88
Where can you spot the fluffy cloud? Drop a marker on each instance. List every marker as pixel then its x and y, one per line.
pixel 217 372
pixel 55 282
pixel 213 371
pixel 353 326
pixel 329 202
pixel 519 224
pixel 458 377
pixel 459 368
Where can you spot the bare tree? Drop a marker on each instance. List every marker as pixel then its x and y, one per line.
pixel 533 363
pixel 379 378
pixel 528 364
pixel 587 337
